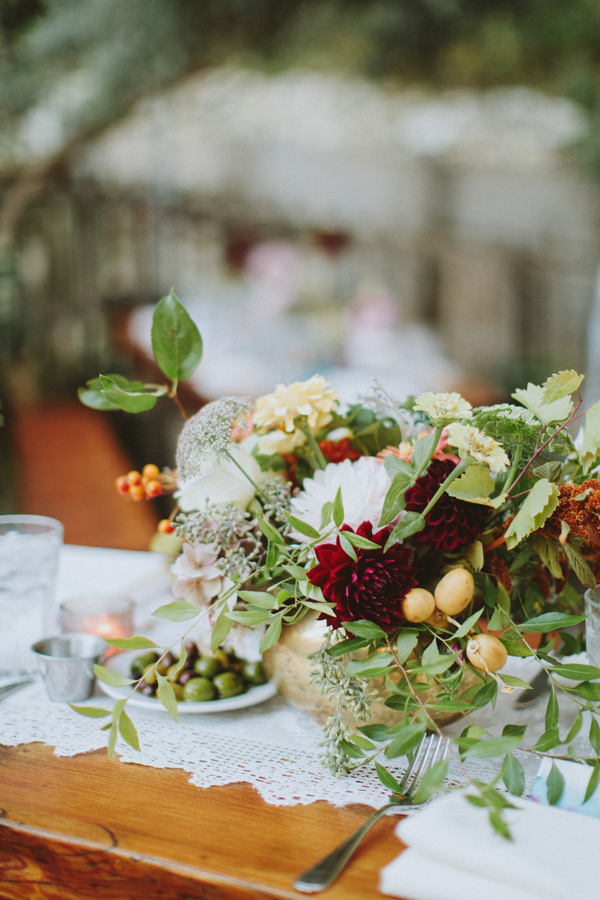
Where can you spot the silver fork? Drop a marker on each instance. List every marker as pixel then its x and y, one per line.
pixel 432 748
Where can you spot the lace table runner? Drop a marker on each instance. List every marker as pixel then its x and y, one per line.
pixel 272 746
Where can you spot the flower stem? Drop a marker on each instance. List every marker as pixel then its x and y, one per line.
pixel 319 458
pixel 454 474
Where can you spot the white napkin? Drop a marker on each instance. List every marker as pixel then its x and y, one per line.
pixel 454 853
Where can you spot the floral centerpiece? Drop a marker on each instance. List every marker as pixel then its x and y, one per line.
pixel 430 539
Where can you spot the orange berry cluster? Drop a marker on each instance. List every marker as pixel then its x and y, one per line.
pixel 147 484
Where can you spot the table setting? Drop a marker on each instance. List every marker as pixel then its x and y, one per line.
pixel 383 603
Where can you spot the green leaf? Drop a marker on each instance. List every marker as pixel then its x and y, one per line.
pixel 548 553
pixel 561 384
pixel 366 629
pixel 590 446
pixel 467 625
pixel 432 781
pixel 474 555
pixel 387 779
pixel 357 540
pixel 405 740
pixel 128 400
pixel 533 397
pixel 373 667
pixel 408 525
pixel 475 485
pixel 220 630
pixel 406 643
pixel 549 622
pixel 576 671
pixel 262 599
pixel 551 710
pixel 555 785
pixel 589 690
pixel 394 499
pixel 440 665
pixel 136 642
pixel 513 681
pixel 592 783
pixel 112 678
pixel 302 527
pixel 494 746
pixel 548 740
pixel 540 503
pixel 347 546
pixel 326 511
pixel 166 695
pixel 338 509
pixel 250 617
pixel 128 732
pixel 177 611
pixel 269 532
pixel 375 732
pixel 423 450
pixel 271 635
pixel 575 727
pixel 92 712
pixel 595 736
pixel 394 465
pixel 348 646
pixel 514 730
pixel 351 749
pixel 513 775
pixel 579 565
pixel 176 341
pixel 112 740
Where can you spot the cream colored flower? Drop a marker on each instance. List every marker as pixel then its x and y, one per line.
pixel 279 441
pixel 311 399
pixel 443 408
pixel 480 447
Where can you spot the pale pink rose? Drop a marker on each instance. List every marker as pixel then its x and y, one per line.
pixel 199 580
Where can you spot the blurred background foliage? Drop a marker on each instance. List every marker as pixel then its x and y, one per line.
pixel 94 59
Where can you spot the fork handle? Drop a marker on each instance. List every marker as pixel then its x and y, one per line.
pixel 320 876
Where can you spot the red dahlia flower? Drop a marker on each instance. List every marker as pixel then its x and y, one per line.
pixel 452 523
pixel 338 451
pixel 370 587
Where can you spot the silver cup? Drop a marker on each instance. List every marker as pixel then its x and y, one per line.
pixel 67 665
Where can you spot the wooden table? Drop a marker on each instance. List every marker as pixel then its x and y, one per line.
pixel 85 827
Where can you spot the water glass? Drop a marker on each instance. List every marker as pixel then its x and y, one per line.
pixel 29 553
pixel 106 615
pixel 592 624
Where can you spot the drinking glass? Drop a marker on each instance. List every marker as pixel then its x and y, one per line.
pixel 106 615
pixel 29 552
pixel 592 624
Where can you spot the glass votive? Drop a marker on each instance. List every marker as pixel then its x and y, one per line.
pixel 29 552
pixel 591 600
pixel 67 665
pixel 105 615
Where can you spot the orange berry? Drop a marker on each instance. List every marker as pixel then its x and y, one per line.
pixel 150 471
pixel 153 489
pixel 165 526
pixel 134 477
pixel 122 484
pixel 137 492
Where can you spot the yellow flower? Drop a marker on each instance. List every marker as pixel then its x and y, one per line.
pixel 479 446
pixel 443 408
pixel 311 400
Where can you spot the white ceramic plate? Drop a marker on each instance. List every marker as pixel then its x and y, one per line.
pixel 121 663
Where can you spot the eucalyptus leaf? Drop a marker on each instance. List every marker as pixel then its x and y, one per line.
pixel 92 712
pixel 128 732
pixel 136 642
pixel 112 678
pixel 555 785
pixel 177 611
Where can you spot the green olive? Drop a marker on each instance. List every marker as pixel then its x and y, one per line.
pixel 254 673
pixel 228 684
pixel 140 663
pixel 149 674
pixel 198 690
pixel 208 666
pixel 177 690
pixel 172 672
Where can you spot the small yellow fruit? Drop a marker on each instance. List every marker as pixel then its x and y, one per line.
pixel 454 592
pixel 437 619
pixel 486 652
pixel 418 605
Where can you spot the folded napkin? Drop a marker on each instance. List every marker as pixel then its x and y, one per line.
pixel 453 853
